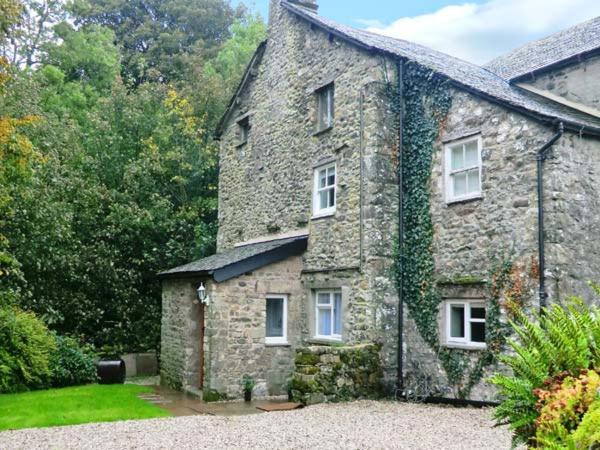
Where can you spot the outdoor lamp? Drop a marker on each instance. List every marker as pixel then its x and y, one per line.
pixel 201 291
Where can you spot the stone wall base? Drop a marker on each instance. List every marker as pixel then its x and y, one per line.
pixel 333 374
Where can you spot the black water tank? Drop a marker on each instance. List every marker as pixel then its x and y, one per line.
pixel 111 371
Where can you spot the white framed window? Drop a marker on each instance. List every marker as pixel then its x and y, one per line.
pixel 276 323
pixel 465 323
pixel 463 169
pixel 325 104
pixel 325 183
pixel 328 314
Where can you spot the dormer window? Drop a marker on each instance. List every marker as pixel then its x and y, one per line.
pixel 325 97
pixel 243 130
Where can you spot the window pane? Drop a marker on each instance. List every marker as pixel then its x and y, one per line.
pixel 457 321
pixel 331 177
pixel 477 312
pixel 274 317
pixel 323 298
pixel 473 180
pixel 471 154
pixel 478 332
pixel 331 202
pixel 456 158
pixel 324 321
pixel 322 178
pixel 337 312
pixel 323 199
pixel 460 184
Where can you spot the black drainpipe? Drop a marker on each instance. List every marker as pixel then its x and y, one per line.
pixel 542 155
pixel 400 94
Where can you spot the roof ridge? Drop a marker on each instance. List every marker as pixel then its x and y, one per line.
pixel 548 51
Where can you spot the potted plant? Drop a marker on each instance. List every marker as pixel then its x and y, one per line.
pixel 248 384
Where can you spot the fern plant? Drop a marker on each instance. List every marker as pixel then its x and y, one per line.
pixel 561 339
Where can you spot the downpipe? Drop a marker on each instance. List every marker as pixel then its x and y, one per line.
pixel 542 156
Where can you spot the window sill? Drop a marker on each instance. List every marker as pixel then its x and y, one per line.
pixel 323 215
pixel 460 346
pixel 323 131
pixel 324 341
pixel 277 344
pixel 471 198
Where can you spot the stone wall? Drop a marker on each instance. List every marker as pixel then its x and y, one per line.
pixel 470 236
pixel 180 334
pixel 266 184
pixel 572 205
pixel 236 329
pixel 578 82
pixel 330 374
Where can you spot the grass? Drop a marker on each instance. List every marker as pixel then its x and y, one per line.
pixel 76 405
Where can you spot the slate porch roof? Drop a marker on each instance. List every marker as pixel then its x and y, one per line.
pixel 239 260
pixel 559 48
pixel 464 74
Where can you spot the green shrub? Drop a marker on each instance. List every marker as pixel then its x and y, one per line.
pixel 563 406
pixel 563 340
pixel 70 364
pixel 25 349
pixel 587 434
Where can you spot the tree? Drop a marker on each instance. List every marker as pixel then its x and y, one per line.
pixel 16 156
pixel 10 11
pixel 33 31
pixel 161 39
pixel 79 70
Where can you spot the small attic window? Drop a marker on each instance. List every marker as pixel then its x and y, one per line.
pixel 325 97
pixel 243 130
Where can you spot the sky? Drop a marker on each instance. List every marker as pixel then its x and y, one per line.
pixel 477 30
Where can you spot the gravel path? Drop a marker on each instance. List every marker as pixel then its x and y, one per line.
pixel 359 425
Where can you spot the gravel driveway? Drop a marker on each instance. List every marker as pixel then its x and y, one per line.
pixel 359 425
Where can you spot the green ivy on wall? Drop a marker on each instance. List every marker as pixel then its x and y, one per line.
pixel 424 104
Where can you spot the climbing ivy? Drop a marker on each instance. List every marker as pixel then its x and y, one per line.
pixel 424 105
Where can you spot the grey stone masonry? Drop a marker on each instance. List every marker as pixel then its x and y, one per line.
pixel 578 82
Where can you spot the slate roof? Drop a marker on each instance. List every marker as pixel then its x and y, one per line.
pixel 466 75
pixel 549 51
pixel 239 260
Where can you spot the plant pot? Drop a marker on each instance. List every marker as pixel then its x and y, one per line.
pixel 111 371
pixel 248 395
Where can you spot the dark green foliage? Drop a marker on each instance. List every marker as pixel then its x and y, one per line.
pixel 161 40
pixel 70 365
pixel 116 180
pixel 26 347
pixel 564 339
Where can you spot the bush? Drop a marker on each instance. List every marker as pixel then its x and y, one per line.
pixel 25 349
pixel 562 342
pixel 70 364
pixel 566 407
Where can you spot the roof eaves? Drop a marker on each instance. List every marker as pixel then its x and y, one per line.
pixel 238 91
pixel 545 118
pixel 573 59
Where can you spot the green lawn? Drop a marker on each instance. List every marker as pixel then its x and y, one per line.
pixel 82 404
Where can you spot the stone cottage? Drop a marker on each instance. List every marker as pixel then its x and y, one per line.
pixel 377 197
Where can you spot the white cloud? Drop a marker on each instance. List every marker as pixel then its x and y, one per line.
pixel 479 33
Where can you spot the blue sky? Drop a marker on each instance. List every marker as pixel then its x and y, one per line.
pixel 474 30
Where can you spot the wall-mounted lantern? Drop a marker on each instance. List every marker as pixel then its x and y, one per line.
pixel 202 296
